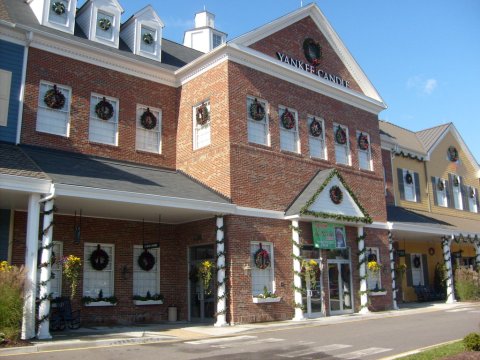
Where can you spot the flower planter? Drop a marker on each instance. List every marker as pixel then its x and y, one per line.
pixel 377 293
pixel 147 302
pixel 257 300
pixel 100 303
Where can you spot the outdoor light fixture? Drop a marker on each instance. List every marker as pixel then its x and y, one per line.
pixel 246 268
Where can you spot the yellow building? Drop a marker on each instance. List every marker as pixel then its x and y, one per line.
pixel 431 187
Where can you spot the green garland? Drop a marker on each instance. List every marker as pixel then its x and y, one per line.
pixel 448 278
pixel 218 268
pixel 304 210
pixel 392 266
pixel 409 156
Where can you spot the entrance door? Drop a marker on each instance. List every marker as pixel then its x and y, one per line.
pixel 340 285
pixel 313 295
pixel 201 303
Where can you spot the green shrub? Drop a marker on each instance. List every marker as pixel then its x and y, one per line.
pixel 12 280
pixel 467 284
pixel 472 342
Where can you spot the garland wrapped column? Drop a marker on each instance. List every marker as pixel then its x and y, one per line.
pixel 221 290
pixel 362 268
pixel 448 265
pixel 28 320
pixel 46 273
pixel 477 251
pixel 392 271
pixel 297 281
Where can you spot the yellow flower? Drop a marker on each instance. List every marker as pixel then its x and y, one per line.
pixel 4 267
pixel 313 263
pixel 373 266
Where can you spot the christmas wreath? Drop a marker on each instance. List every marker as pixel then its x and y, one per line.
pixel 262 258
pixel 257 112
pixel 148 120
pixel 146 261
pixel 452 153
pixel 54 98
pixel 99 259
pixel 58 8
pixel 440 185
pixel 202 115
pixel 340 136
pixel 148 38
pixel 104 109
pixel 104 24
pixel 472 192
pixel 312 51
pixel 363 142
pixel 336 194
pixel 288 120
pixel 408 178
pixel 315 128
pixel 416 262
pixel 456 181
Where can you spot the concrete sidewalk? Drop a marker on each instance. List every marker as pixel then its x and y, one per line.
pixel 88 337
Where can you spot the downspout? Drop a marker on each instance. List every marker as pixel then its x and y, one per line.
pixel 29 38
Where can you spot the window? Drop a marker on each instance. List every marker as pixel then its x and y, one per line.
pixel 257 121
pixel 56 281
pixel 342 150
pixel 58 12
pixel 105 25
pixel 146 281
pixel 262 278
pixel 364 151
pixel 316 137
pixel 5 83
pixel 440 191
pixel 409 185
pixel 456 191
pixel 473 199
pixel 53 115
pixel 289 130
pixel 374 280
pixel 148 40
pixel 149 129
pixel 103 120
pixel 216 41
pixel 201 125
pixel 95 281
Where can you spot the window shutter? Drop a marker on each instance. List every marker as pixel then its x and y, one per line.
pixel 400 183
pixel 476 199
pixel 417 187
pixel 451 202
pixel 425 270
pixel 408 262
pixel 464 192
pixel 434 190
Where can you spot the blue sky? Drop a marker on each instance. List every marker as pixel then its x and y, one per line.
pixel 422 56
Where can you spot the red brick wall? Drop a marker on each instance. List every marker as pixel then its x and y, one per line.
pixel 84 79
pixel 276 177
pixel 290 42
pixel 387 164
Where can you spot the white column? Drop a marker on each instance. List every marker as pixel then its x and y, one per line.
pixel 448 265
pixel 221 293
pixel 46 272
pixel 28 321
pixel 363 272
pixel 392 271
pixel 297 281
pixel 477 250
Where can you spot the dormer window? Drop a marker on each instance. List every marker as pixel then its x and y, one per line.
pixel 105 25
pixel 58 12
pixel 148 42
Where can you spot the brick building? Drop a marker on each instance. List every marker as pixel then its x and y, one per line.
pixel 145 158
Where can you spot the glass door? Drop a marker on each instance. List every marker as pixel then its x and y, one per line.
pixel 313 294
pixel 201 302
pixel 340 287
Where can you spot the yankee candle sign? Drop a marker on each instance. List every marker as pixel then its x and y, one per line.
pixel 299 64
pixel 328 236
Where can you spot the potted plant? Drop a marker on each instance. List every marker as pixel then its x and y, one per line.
pixel 374 267
pixel 266 297
pixel 100 300
pixel 148 299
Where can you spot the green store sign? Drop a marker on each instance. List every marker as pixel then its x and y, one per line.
pixel 329 236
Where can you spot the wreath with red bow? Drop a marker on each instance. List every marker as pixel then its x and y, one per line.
pixel 315 128
pixel 99 259
pixel 146 260
pixel 202 115
pixel 104 109
pixel 288 120
pixel 257 112
pixel 453 153
pixel 336 194
pixel 340 136
pixel 148 120
pixel 54 98
pixel 363 142
pixel 262 258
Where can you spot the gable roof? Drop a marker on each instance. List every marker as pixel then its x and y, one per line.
pixel 332 37
pixel 428 137
pixel 145 10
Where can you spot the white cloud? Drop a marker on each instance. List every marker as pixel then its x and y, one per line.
pixel 422 85
pixel 430 85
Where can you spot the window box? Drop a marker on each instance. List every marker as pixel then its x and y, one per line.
pixel 377 293
pixel 257 300
pixel 99 303
pixel 147 302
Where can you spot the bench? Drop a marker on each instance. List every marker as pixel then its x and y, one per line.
pixel 62 315
pixel 424 293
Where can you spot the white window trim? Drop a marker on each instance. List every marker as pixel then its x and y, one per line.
pixel 294 130
pixel 441 194
pixel 322 137
pixel 111 261
pixel 158 129
pixel 413 185
pixel 157 272
pixel 266 120
pixel 376 251
pixel 347 144
pixel 6 83
pixel 272 264
pixel 368 151
pixel 196 127
pixel 94 116
pixel 65 110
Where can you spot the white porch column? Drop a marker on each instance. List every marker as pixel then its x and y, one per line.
pixel 448 265
pixel 221 292
pixel 363 273
pixel 297 281
pixel 392 271
pixel 477 250
pixel 45 273
pixel 28 320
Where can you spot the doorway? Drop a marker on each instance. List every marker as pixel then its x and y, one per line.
pixel 340 282
pixel 313 294
pixel 201 303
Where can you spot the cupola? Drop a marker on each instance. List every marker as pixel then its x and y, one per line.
pixel 204 37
